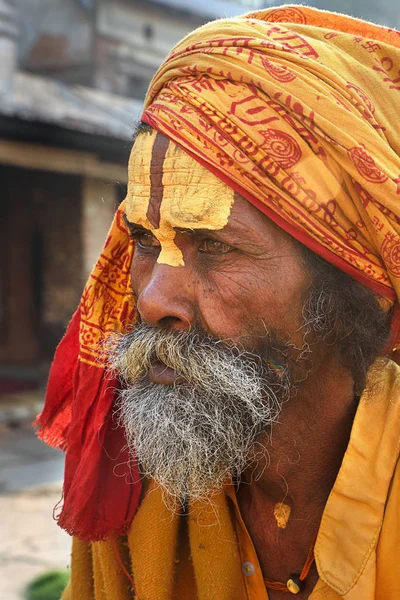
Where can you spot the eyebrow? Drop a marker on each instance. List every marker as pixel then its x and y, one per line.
pixel 186 230
pixel 129 223
pixel 238 233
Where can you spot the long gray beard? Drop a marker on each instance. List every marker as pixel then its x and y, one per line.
pixel 192 436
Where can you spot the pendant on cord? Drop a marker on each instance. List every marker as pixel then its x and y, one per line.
pixel 295 585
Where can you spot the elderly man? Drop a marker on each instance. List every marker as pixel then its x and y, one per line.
pixel 232 426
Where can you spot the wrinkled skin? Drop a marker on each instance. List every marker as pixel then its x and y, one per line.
pixel 233 280
pixel 236 283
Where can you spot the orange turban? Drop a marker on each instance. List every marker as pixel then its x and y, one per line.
pixel 294 108
pixel 297 109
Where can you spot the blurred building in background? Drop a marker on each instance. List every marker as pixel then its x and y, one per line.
pixel 73 75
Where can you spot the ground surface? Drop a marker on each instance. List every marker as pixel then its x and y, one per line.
pixel 30 486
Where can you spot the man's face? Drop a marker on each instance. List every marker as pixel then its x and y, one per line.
pixel 225 267
pixel 219 291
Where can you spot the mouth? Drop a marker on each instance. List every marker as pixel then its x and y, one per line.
pixel 160 373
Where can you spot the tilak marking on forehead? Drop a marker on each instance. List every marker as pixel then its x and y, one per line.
pixel 156 174
pixel 190 197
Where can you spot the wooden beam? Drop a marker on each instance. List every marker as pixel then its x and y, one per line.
pixel 48 158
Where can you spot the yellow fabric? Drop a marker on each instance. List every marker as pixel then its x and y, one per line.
pixel 149 546
pixel 199 557
pixel 208 534
pixel 81 574
pixel 107 301
pixel 298 110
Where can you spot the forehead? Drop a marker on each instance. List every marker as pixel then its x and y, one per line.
pixel 166 184
pixel 169 190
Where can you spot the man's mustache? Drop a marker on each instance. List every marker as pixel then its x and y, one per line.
pixel 191 353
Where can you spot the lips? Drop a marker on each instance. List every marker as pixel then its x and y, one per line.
pixel 160 373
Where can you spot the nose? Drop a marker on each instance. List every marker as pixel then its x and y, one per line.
pixel 167 300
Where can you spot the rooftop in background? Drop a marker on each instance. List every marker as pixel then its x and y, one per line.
pixel 44 100
pixel 85 65
pixel 215 9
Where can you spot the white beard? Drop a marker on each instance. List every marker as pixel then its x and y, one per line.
pixel 190 437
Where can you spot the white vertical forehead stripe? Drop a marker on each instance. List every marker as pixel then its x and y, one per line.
pixel 193 197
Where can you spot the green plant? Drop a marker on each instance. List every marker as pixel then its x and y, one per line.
pixel 48 586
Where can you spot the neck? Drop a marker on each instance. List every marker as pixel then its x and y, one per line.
pixel 306 447
pixel 305 450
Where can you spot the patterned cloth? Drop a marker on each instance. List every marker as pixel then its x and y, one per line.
pixel 300 118
pixel 294 108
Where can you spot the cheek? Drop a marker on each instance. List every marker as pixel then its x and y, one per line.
pixel 141 270
pixel 228 304
pixel 235 303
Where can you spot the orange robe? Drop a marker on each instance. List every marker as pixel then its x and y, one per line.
pixel 200 556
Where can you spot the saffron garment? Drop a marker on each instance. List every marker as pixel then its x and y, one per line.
pixel 200 557
pixel 297 110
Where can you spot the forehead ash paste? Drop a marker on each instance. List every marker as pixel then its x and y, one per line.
pixel 192 196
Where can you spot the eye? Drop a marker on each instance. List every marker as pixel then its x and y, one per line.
pixel 214 247
pixel 145 239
